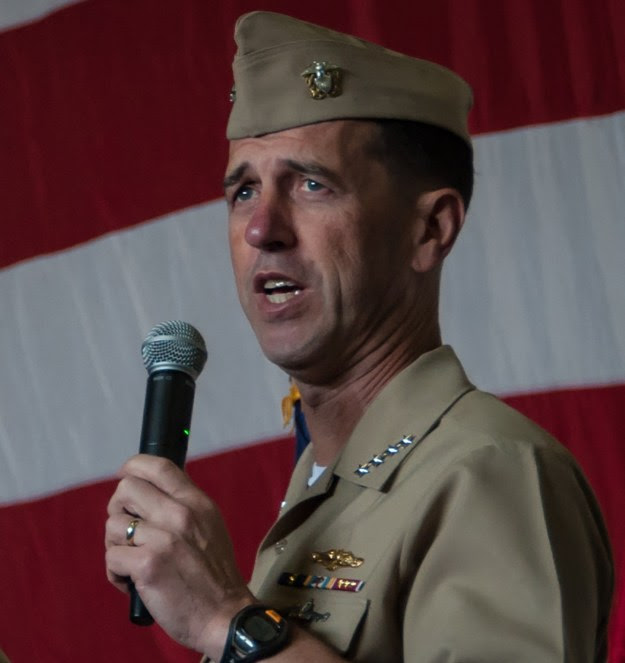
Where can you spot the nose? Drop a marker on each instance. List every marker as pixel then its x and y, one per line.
pixel 269 227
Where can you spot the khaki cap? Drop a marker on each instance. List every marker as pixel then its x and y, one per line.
pixel 288 73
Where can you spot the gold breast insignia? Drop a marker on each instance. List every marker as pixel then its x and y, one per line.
pixel 333 559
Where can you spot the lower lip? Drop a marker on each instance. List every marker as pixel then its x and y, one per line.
pixel 275 310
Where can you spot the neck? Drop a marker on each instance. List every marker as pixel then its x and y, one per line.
pixel 333 410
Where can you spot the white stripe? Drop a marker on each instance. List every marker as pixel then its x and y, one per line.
pixel 532 299
pixel 16 12
pixel 533 292
pixel 73 380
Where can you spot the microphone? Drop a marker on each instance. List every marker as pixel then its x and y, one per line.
pixel 174 354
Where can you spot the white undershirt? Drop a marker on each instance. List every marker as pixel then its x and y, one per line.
pixel 315 473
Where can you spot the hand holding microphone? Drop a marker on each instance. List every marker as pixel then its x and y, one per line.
pixel 163 531
pixel 174 354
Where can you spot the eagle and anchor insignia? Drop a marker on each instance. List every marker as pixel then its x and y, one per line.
pixel 323 80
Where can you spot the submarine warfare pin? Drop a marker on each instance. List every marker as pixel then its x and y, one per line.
pixel 333 559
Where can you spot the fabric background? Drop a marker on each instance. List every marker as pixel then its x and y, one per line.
pixel 112 116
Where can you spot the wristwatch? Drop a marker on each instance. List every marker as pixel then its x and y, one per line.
pixel 256 632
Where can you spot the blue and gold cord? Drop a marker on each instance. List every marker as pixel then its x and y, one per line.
pixel 292 411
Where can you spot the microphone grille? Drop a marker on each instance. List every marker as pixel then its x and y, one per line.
pixel 174 345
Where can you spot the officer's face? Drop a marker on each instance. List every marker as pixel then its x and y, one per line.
pixel 320 244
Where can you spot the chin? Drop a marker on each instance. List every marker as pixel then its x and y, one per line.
pixel 286 359
pixel 310 364
pixel 289 356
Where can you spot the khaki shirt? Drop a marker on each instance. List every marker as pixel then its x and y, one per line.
pixel 480 538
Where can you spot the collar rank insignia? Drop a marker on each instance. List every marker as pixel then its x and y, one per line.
pixel 304 581
pixel 378 459
pixel 307 612
pixel 323 80
pixel 333 559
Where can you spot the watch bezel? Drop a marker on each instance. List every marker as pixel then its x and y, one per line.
pixel 243 647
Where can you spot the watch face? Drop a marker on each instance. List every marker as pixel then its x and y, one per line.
pixel 261 631
pixel 260 628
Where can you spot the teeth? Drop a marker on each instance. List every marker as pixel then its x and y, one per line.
pixel 281 297
pixel 279 291
pixel 271 284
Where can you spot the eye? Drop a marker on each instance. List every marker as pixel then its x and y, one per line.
pixel 312 185
pixel 243 194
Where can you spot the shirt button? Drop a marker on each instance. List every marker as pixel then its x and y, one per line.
pixel 280 546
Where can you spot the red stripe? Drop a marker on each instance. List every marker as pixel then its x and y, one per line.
pixel 118 109
pixel 587 422
pixel 52 573
pixel 590 422
pixel 115 116
pixel 53 546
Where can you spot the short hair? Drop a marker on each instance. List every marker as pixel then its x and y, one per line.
pixel 425 155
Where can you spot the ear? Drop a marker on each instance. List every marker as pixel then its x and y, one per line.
pixel 439 216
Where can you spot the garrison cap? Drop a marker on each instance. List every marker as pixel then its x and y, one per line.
pixel 288 73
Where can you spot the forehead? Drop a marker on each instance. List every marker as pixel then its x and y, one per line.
pixel 333 141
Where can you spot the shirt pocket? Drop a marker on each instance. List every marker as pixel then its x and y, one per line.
pixel 336 620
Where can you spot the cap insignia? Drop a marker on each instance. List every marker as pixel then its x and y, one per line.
pixel 333 559
pixel 323 80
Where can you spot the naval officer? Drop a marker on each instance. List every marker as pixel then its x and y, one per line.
pixel 426 521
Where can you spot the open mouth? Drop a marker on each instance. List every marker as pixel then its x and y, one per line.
pixel 279 291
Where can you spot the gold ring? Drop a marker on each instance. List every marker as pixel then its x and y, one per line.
pixel 130 531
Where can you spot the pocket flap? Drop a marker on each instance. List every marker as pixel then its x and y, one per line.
pixel 334 619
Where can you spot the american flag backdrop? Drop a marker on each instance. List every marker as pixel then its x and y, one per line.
pixel 112 149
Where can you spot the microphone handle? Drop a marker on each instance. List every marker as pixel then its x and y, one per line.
pixel 165 432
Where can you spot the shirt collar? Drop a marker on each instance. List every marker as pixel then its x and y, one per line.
pixel 403 413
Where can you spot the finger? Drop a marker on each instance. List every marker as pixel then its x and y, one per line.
pixel 161 492
pixel 123 530
pixel 131 547
pixel 141 557
pixel 160 472
pixel 136 496
pixel 120 582
pixel 121 562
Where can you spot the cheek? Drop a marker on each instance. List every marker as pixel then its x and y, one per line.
pixel 239 255
pixel 370 263
pixel 347 263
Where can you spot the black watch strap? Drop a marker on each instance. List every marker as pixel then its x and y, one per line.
pixel 256 632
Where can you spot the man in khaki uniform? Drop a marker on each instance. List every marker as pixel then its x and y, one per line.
pixel 427 521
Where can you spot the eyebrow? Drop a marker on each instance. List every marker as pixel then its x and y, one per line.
pixel 235 176
pixel 311 168
pixel 303 167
